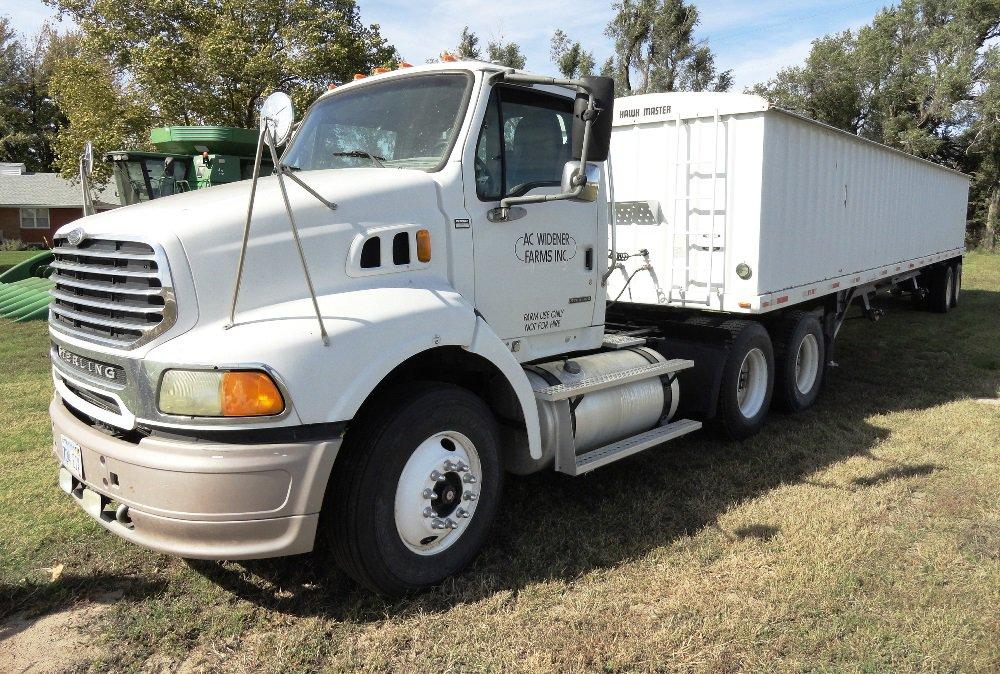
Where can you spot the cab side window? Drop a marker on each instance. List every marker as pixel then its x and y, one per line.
pixel 524 142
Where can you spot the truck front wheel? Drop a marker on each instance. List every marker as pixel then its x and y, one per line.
pixel 747 380
pixel 415 490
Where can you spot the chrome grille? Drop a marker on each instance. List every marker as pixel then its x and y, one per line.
pixel 111 291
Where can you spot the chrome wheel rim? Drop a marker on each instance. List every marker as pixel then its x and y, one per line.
pixel 437 493
pixel 807 363
pixel 751 388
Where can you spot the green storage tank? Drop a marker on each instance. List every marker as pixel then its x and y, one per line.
pixel 194 140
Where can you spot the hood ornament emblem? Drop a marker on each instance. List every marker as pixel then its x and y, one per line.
pixel 76 236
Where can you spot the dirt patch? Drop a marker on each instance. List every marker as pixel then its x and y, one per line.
pixel 51 643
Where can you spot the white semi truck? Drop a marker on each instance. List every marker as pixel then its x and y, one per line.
pixel 460 271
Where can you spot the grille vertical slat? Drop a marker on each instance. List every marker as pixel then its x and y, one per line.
pixel 112 291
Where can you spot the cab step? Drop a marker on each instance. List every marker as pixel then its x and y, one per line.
pixel 617 342
pixel 602 456
pixel 591 384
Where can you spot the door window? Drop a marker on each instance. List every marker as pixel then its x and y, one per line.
pixel 524 142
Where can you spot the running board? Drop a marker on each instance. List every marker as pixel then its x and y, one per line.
pixel 602 456
pixel 591 384
pixel 616 342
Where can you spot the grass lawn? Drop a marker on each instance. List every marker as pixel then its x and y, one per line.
pixel 8 258
pixel 860 536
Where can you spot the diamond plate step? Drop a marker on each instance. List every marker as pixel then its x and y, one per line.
pixel 591 384
pixel 622 341
pixel 619 450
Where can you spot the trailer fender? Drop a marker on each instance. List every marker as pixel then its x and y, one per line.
pixel 487 344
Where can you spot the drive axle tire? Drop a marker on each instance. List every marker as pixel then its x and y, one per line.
pixel 415 490
pixel 942 289
pixel 799 360
pixel 747 380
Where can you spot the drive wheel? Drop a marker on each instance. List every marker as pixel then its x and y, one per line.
pixel 747 381
pixel 799 361
pixel 942 289
pixel 415 490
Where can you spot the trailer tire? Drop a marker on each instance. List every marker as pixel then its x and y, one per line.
pixel 956 287
pixel 942 289
pixel 747 380
pixel 400 475
pixel 799 361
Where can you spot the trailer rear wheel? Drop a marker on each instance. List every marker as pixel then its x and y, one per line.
pixel 747 380
pixel 415 490
pixel 942 289
pixel 956 284
pixel 799 358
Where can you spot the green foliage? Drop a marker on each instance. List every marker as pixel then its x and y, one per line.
pixel 29 118
pixel 468 45
pixel 505 53
pixel 922 77
pixel 570 57
pixel 655 40
pixel 207 61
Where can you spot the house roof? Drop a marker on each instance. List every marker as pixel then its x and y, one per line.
pixel 50 190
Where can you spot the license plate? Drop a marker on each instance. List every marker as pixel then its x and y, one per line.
pixel 71 457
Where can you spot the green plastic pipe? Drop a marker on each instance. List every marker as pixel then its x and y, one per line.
pixel 41 313
pixel 31 308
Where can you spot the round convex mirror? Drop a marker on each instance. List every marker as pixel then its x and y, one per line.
pixel 277 115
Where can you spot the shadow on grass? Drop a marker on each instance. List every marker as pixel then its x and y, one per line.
pixel 553 527
pixel 36 600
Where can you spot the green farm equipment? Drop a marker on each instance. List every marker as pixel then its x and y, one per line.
pixel 24 289
pixel 187 158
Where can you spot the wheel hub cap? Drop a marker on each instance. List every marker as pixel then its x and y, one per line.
pixel 437 493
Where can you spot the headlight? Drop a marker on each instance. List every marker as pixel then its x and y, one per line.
pixel 214 393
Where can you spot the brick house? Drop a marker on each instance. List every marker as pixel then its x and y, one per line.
pixel 34 205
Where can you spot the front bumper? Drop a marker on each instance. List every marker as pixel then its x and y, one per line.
pixel 199 500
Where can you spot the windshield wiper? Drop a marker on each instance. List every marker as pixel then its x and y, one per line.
pixel 361 154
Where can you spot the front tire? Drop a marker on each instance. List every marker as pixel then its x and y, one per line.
pixel 747 381
pixel 415 489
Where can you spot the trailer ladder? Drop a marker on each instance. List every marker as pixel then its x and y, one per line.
pixel 680 222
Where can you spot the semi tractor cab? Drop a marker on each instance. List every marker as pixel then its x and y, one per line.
pixel 350 354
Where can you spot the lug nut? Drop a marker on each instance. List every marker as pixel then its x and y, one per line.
pixel 428 512
pixel 469 479
pixel 438 524
pixel 450 465
pixel 451 524
pixel 469 496
pixel 461 512
pixel 436 476
pixel 429 493
pixel 462 467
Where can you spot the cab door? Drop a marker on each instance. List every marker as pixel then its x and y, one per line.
pixel 536 273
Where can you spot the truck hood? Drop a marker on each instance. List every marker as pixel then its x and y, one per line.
pixel 209 224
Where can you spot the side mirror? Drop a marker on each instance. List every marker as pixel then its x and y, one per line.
pixel 600 130
pixel 590 188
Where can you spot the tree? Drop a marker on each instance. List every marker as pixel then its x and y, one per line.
pixel 505 53
pixel 570 57
pixel 212 61
pixel 468 45
pixel 922 77
pixel 655 40
pixel 29 118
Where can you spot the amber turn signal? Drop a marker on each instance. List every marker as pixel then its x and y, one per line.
pixel 250 394
pixel 423 245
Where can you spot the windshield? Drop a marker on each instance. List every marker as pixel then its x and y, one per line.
pixel 409 122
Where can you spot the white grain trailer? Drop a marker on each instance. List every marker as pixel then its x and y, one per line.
pixel 747 208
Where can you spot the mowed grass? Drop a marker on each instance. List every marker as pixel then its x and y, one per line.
pixel 860 536
pixel 9 258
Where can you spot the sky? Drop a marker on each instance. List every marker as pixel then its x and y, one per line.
pixel 754 38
